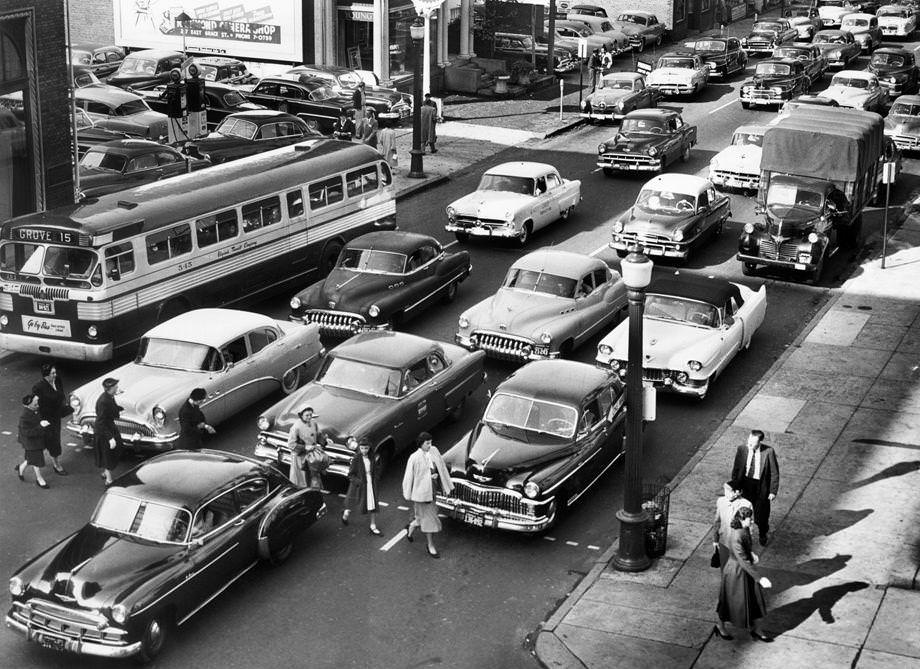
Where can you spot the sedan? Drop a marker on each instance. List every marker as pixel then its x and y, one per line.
pixel 165 539
pixel 550 302
pixel 146 68
pixel 389 104
pixel 380 279
pixel 124 163
pixel 896 69
pixel 839 47
pixel 221 100
pixel 121 111
pixel 311 99
pixel 618 94
pixel 902 125
pixel 238 357
pixel 101 59
pixel 549 433
pixel 865 30
pixel 385 387
pixel 93 133
pixel 693 327
pixel 858 90
pixel 897 21
pixel 813 60
pixel 248 133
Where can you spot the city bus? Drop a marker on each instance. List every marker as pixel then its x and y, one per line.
pixel 85 281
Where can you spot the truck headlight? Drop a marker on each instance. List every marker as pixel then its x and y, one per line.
pixel 546 337
pixel 295 303
pixel 813 237
pixel 531 489
pixel 695 365
pixel 16 586
pixel 119 613
pixel 463 322
pixel 374 311
pixel 748 228
pixel 264 423
pixel 605 349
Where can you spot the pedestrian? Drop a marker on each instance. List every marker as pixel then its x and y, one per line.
pixel 108 441
pixel 758 470
pixel 366 130
pixel 429 123
pixel 426 475
pixel 726 506
pixel 741 598
pixel 387 146
pixel 359 101
pixel 305 437
pixel 192 423
pixel 606 59
pixel 52 407
pixel 344 127
pixel 362 484
pixel 594 64
pixel 32 428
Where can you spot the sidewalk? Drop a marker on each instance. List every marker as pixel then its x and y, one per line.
pixel 842 408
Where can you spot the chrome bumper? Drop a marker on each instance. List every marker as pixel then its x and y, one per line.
pixel 71 350
pixel 485 231
pixel 613 164
pixel 74 645
pixel 158 443
pixel 776 262
pixel 652 248
pixel 602 116
pixel 480 516
pixel 338 463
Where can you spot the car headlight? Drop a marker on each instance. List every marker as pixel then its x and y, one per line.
pixel 618 226
pixel 4 320
pixel 546 337
pixel 531 489
pixel 509 217
pixel 695 365
pixel 892 80
pixel 120 613
pixel 836 54
pixel 451 213
pixel 264 423
pixel 295 303
pixel 813 237
pixel 75 403
pixel 374 311
pixel 747 89
pixel 463 322
pixel 605 349
pixel 748 228
pixel 678 235
pixel 601 148
pixel 92 332
pixel 653 151
pixel 584 104
pixel 682 377
pixel 16 586
pixel 159 416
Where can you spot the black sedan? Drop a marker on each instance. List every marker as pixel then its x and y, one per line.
pixel 166 538
pixel 146 69
pixel 380 279
pixel 124 163
pixel 389 104
pixel 723 55
pixel 248 133
pixel 101 59
pixel 221 99
pixel 312 99
pixel 548 434
pixel 896 69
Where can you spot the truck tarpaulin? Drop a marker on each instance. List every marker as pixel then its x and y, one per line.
pixel 824 142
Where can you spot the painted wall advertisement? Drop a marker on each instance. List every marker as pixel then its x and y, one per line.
pixel 258 29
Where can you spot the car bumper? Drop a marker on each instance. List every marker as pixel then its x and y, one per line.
pixel 651 247
pixel 339 326
pixel 662 380
pixel 502 232
pixel 134 442
pixel 894 31
pixel 65 643
pixel 629 164
pixel 837 63
pixel 725 179
pixel 772 100
pixel 488 516
pixel 503 347
pixel 892 89
pixel 269 448
pixel 674 89
pixel 906 142
pixel 70 350
pixel 776 262
pixel 602 116
pixel 765 49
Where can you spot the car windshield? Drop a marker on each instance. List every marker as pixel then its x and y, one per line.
pixel 851 82
pixel 174 354
pixel 363 377
pixel 783 196
pixel 893 11
pixel 665 202
pixel 621 84
pixel 150 521
pixel 136 65
pixel 747 139
pixel 207 72
pixel 321 93
pixel 506 183
pixel 709 45
pixel 232 99
pixel 855 23
pixel 531 415
pixel 645 126
pixel 237 127
pixel 905 109
pixel 767 27
pixel 540 282
pixel 131 107
pixel 772 69
pixel 683 63
pixel 682 309
pixel 101 160
pixel 829 39
pixel 892 59
pixel 375 262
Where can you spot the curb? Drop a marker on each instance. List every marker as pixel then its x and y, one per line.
pixel 565 128
pixel 421 185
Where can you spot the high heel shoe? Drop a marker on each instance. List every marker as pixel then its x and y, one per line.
pixel 409 533
pixel 42 485
pixel 726 637
pixel 19 473
pixel 434 554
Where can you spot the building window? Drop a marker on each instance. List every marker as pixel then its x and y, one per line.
pixel 17 168
pixel 680 10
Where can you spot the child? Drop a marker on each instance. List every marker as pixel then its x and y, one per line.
pixel 362 484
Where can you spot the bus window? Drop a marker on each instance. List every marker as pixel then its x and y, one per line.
pixel 216 228
pixel 361 181
pixel 324 193
pixel 295 203
pixel 261 213
pixel 385 176
pixel 168 244
pixel 21 258
pixel 119 260
pixel 68 262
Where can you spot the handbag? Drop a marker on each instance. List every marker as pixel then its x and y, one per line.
pixel 715 561
pixel 317 459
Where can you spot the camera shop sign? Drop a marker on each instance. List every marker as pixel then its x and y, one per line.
pixel 232 30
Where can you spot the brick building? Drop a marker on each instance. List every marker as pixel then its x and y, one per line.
pixel 35 127
pixel 92 21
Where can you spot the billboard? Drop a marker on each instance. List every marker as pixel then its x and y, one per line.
pixel 248 29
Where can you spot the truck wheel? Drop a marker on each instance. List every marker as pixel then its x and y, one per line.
pixel 748 268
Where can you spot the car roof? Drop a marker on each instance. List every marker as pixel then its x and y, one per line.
pixel 677 54
pixel 309 84
pixel 908 99
pixel 897 50
pixel 635 13
pixel 212 327
pixel 130 147
pixel 261 114
pixel 216 60
pixel 521 169
pixel 570 381
pixel 93 46
pixel 656 113
pixel 682 183
pixel 332 69
pixel 751 128
pixel 784 60
pixel 561 263
pixel 709 289
pixel 859 15
pixel 155 53
pixel 854 74
pixel 390 240
pixel 109 94
pixel 185 478
pixel 632 76
pixel 833 33
pixel 812 99
pixel 387 348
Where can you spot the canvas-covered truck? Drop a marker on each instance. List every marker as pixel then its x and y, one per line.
pixel 820 167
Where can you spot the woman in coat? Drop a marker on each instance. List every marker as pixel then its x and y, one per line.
pixel 726 507
pixel 108 441
pixel 387 145
pixel 741 599
pixel 426 475
pixel 304 437
pixel 362 484
pixel 52 407
pixel 32 430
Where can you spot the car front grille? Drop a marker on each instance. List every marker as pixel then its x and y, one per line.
pixel 127 428
pixel 44 616
pixel 906 141
pixel 335 322
pixel 503 346
pixel 473 222
pixel 650 374
pixel 748 180
pixel 628 158
pixel 490 498
pixel 44 292
pixel 787 250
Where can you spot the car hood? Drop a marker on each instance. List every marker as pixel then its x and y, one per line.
pixel 745 157
pixel 491 203
pixel 888 70
pixel 608 97
pixel 639 143
pixel 857 30
pixel 627 28
pixel 503 452
pixel 762 34
pixel 99 568
pixel 902 125
pixel 660 224
pixel 666 74
pixel 765 81
pixel 517 312
pixel 833 12
pixel 338 412
pixel 344 290
pixel 846 95
pixel 216 141
pixel 667 344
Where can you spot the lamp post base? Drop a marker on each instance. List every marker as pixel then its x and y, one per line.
pixel 631 555
pixel 416 169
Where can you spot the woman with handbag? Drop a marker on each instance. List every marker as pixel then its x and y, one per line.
pixel 362 484
pixel 303 442
pixel 426 475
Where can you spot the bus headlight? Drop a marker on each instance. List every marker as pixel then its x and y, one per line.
pixel 295 303
pixel 264 424
pixel 531 489
pixel 120 613
pixel 159 416
pixel 374 311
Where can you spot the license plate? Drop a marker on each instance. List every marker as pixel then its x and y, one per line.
pixel 625 166
pixel 473 518
pixel 44 307
pixel 51 327
pixel 799 265
pixel 52 642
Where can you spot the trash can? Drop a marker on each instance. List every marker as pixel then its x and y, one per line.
pixel 656 498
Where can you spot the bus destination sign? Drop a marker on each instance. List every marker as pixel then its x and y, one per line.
pixel 45 236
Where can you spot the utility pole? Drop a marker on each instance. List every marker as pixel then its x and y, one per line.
pixel 551 34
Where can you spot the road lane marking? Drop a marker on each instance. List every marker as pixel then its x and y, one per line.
pixel 550 538
pixel 598 250
pixel 730 102
pixel 383 503
pixel 403 508
pixel 594 548
pixel 571 543
pixel 395 540
pixel 6 433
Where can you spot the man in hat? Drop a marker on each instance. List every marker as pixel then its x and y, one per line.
pixel 192 423
pixel 108 441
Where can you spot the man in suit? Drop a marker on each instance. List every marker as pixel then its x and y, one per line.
pixel 192 423
pixel 758 470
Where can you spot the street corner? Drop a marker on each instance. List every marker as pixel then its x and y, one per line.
pixel 601 650
pixel 553 653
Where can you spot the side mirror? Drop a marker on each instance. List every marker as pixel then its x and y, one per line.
pixel 229 366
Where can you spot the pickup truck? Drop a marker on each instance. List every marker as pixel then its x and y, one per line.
pixel 648 141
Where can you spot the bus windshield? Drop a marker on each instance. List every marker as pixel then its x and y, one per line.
pixel 173 354
pixel 52 261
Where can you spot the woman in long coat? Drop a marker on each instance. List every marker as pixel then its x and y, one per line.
pixel 108 441
pixel 52 407
pixel 741 599
pixel 32 430
pixel 362 485
pixel 426 475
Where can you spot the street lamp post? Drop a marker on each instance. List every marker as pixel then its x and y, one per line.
pixel 636 269
pixel 416 168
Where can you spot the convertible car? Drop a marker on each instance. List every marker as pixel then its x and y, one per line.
pixel 383 386
pixel 512 201
pixel 902 124
pixel 693 327
pixel 618 94
pixel 738 164
pixel 239 357
pixel 165 539
pixel 379 279
pixel 673 214
pixel 549 303
pixel 550 431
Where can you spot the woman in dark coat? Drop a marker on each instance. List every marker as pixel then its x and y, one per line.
pixel 362 485
pixel 52 407
pixel 32 437
pixel 741 600
pixel 108 441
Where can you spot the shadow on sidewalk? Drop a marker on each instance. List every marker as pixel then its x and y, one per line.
pixel 789 616
pixel 899 469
